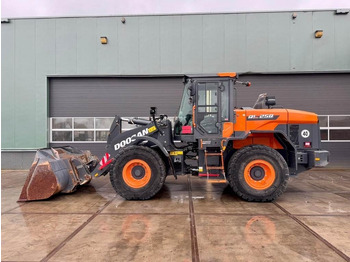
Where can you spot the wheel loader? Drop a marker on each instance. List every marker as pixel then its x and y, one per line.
pixel 255 149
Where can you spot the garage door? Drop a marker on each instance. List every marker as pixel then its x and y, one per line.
pixel 81 108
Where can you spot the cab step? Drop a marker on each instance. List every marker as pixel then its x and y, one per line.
pixel 220 168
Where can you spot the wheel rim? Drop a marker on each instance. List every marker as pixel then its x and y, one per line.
pixel 259 174
pixel 136 173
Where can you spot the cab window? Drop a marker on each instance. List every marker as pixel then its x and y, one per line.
pixel 207 99
pixel 224 86
pixel 184 124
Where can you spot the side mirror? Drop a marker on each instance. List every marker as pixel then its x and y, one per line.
pixel 270 101
pixel 153 111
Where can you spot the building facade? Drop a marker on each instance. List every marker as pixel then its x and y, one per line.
pixel 62 85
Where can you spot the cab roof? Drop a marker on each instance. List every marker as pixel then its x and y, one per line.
pixel 223 74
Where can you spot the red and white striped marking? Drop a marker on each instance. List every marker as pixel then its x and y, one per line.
pixel 105 161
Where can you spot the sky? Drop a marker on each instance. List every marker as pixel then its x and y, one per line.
pixel 62 8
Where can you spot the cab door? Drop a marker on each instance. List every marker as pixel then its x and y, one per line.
pixel 211 107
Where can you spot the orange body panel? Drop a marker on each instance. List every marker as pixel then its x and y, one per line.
pixel 265 120
pixel 283 116
pixel 245 124
pixel 301 117
pixel 227 74
pixel 258 139
pixel 228 129
pixel 240 121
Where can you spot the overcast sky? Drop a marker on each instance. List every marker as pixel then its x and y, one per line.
pixel 59 8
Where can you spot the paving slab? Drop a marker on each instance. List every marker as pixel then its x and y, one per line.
pixel 163 203
pixel 336 230
pixel 31 237
pixel 258 238
pixel 326 174
pixel 77 202
pixel 135 237
pixel 13 178
pixel 9 197
pixel 304 185
pixel 226 202
pixel 314 203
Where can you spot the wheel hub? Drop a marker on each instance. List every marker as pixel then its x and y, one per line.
pixel 138 172
pixel 257 173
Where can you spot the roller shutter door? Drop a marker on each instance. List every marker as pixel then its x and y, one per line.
pixel 324 94
pixel 94 97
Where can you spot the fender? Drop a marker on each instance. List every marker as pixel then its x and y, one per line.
pixel 135 140
pixel 140 139
pixel 282 138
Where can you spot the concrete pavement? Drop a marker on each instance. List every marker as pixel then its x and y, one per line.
pixel 189 220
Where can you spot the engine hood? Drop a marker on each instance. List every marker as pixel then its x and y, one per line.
pixel 301 117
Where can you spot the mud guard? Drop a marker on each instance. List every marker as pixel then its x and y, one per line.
pixel 291 156
pixel 165 155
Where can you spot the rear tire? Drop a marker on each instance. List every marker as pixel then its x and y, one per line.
pixel 138 173
pixel 258 173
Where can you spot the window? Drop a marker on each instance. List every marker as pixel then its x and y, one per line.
pixel 84 129
pixel 79 129
pixel 185 113
pixel 335 128
pixel 208 107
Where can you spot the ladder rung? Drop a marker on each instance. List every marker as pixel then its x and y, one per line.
pixel 221 167
pixel 215 167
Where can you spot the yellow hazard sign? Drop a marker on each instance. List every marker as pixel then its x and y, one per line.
pixel 152 129
pixel 176 153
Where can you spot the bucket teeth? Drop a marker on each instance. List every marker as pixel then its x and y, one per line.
pixel 56 170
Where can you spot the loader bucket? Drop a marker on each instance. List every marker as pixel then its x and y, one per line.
pixel 56 170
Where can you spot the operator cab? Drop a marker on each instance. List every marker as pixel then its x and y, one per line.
pixel 207 103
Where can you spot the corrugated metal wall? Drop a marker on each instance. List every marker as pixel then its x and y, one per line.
pixel 256 42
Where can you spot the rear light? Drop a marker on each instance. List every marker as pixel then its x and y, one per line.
pixel 307 144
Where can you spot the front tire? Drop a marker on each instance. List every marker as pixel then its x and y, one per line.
pixel 258 173
pixel 138 173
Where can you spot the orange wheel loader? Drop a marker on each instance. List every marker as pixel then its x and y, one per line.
pixel 255 149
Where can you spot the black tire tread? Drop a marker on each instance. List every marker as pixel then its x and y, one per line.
pixel 119 185
pixel 233 166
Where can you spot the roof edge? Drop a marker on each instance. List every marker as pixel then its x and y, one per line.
pixel 175 14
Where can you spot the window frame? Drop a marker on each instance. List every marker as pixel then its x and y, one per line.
pixel 329 128
pixel 126 127
pixel 94 129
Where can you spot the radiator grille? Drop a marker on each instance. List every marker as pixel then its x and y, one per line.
pixel 294 134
